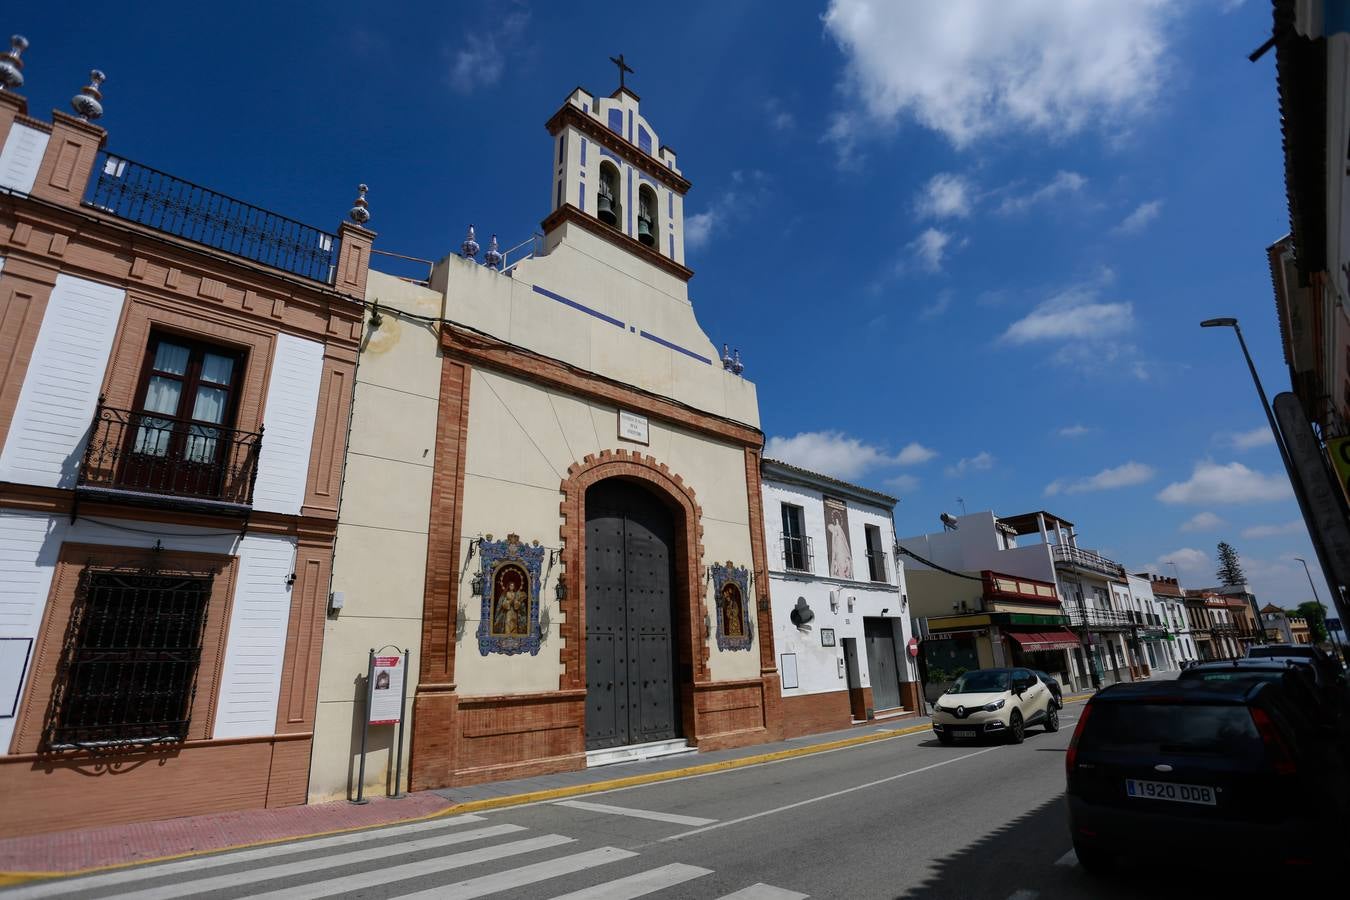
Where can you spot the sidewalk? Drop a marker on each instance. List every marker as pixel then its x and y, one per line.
pixel 69 852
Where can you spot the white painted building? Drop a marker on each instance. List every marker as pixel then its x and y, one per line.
pixel 840 608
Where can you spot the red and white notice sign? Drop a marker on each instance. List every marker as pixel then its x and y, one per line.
pixel 386 695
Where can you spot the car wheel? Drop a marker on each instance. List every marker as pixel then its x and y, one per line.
pixel 1017 730
pixel 946 739
pixel 1051 719
pixel 1094 860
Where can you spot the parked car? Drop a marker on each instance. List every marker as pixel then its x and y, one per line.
pixel 1209 764
pixel 994 703
pixel 1050 682
pixel 1328 667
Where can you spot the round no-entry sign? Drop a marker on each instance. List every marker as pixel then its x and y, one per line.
pixel 913 646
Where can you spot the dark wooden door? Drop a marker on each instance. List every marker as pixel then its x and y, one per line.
pixel 631 689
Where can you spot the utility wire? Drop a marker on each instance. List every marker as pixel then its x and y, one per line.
pixel 928 562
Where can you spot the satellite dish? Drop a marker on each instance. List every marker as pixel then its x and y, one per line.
pixel 949 522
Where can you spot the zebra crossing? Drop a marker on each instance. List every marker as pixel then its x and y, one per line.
pixel 416 861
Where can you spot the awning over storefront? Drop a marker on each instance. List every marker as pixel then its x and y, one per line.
pixel 1031 641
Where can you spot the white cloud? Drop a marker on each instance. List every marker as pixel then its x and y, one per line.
pixel 1074 431
pixel 945 196
pixel 914 453
pixel 1063 183
pixel 1211 482
pixel 1294 526
pixel 748 190
pixel 929 247
pixel 1203 521
pixel 1142 215
pixel 938 306
pixel 1250 440
pixel 480 62
pixel 1120 476
pixel 969 68
pixel 980 462
pixel 780 118
pixel 1191 564
pixel 835 453
pixel 1075 314
pixel 902 483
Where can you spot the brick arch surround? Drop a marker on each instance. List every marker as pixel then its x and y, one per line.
pixel 692 644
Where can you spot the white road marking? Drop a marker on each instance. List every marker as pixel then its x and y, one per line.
pixel 763 891
pixel 639 885
pixel 514 878
pixel 304 866
pixel 377 877
pixel 635 813
pixel 829 796
pixel 61 887
pixel 1068 859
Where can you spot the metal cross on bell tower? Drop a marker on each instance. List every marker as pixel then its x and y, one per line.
pixel 623 67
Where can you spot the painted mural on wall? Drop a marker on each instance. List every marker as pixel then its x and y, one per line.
pixel 837 544
pixel 510 589
pixel 731 594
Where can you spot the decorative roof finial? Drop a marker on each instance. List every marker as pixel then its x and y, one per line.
pixel 11 66
pixel 86 103
pixel 493 257
pixel 726 357
pixel 736 365
pixel 360 213
pixel 469 249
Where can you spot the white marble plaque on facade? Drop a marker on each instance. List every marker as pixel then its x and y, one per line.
pixel 633 427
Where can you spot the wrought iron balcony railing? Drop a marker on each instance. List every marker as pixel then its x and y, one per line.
pixel 150 459
pixel 878 566
pixel 1092 617
pixel 160 201
pixel 1086 559
pixel 797 555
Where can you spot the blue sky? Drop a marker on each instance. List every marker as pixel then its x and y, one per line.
pixel 963 247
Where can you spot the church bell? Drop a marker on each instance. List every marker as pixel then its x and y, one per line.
pixel 605 209
pixel 644 234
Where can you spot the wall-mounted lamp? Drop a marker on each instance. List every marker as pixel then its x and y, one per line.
pixel 376 320
pixel 560 589
pixel 885 610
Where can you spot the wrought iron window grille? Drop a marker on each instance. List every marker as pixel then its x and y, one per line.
pixel 127 674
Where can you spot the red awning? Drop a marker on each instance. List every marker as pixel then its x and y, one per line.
pixel 1032 641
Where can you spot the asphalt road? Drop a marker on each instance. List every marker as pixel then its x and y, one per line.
pixel 904 817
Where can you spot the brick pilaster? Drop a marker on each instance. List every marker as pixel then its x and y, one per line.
pixel 11 105
pixel 353 260
pixel 64 173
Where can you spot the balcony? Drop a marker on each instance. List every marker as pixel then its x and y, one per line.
pixel 1087 560
pixel 1091 617
pixel 151 460
pixel 878 566
pixel 148 197
pixel 797 555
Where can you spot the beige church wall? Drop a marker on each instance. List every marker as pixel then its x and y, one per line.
pixel 379 560
pixel 591 272
pixel 522 440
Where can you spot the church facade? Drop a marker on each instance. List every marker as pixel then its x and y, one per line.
pixel 553 496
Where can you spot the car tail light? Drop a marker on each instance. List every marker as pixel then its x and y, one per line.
pixel 1275 745
pixel 1071 755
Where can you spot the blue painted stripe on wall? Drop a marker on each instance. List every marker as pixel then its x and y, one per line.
pixel 630 126
pixel 672 246
pixel 583 151
pixel 670 204
pixel 676 347
pixel 575 305
pixel 605 152
pixel 650 180
pixel 631 229
pixel 616 121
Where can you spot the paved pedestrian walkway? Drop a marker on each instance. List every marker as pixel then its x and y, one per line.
pixel 115 845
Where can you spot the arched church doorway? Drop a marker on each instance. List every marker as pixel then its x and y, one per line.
pixel 632 692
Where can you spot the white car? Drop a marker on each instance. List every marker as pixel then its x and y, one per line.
pixel 994 702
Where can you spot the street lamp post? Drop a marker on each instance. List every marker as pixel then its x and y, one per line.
pixel 1331 634
pixel 1294 481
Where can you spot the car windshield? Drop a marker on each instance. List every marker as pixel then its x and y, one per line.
pixel 1171 728
pixel 981 682
pixel 1276 651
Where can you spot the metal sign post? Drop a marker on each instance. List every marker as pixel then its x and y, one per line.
pixel 386 701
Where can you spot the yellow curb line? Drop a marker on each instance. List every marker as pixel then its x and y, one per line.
pixel 12 878
pixel 472 806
